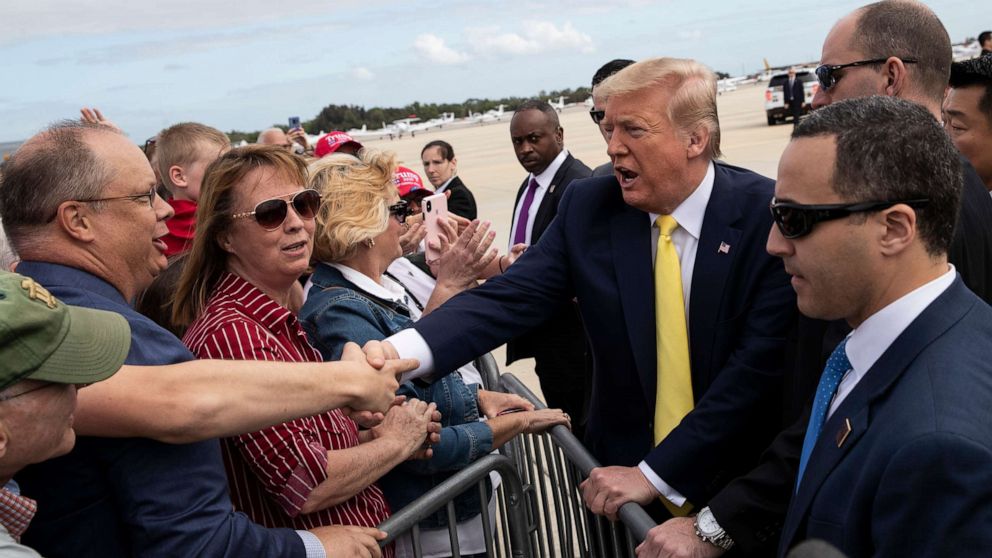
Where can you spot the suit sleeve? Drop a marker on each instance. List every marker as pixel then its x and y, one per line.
pixel 462 203
pixel 933 499
pixel 479 320
pixel 752 508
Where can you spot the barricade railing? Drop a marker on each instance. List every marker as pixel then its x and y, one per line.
pixel 539 508
pixel 505 534
pixel 551 466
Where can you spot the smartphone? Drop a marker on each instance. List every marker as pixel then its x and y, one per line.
pixel 435 211
pixel 294 122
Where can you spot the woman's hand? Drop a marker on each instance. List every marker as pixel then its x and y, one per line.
pixel 414 233
pixel 409 425
pixel 539 421
pixel 492 403
pixel 463 257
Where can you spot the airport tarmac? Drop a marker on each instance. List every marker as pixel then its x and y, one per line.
pixel 488 167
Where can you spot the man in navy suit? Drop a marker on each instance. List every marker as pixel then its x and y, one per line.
pixel 795 96
pixel 558 345
pixel 599 250
pixel 895 458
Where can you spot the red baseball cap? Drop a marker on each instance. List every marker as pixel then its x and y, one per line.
pixel 330 143
pixel 408 181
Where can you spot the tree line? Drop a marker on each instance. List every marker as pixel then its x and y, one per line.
pixel 346 117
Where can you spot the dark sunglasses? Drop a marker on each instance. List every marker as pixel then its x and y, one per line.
pixel 401 210
pixel 795 220
pixel 825 72
pixel 597 115
pixel 270 214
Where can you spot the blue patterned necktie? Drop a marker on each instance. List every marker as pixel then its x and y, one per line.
pixel 837 366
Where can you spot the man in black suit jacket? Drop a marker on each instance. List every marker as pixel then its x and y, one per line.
pixel 599 250
pixel 558 345
pixel 441 168
pixel 752 508
pixel 795 95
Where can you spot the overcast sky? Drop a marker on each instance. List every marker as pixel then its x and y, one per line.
pixel 247 64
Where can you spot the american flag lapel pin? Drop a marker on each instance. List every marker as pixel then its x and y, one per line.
pixel 724 248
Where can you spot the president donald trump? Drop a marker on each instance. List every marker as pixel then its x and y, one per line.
pixel 685 311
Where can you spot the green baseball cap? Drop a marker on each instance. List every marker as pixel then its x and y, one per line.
pixel 42 338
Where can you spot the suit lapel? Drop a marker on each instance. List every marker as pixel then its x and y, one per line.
pixel 630 240
pixel 715 253
pixel 549 204
pixel 830 448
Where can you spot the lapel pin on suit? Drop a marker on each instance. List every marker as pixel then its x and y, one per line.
pixel 551 189
pixel 844 431
pixel 724 248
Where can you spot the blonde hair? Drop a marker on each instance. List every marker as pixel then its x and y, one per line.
pixel 693 88
pixel 207 261
pixel 354 197
pixel 182 144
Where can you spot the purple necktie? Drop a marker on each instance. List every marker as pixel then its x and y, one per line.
pixel 520 234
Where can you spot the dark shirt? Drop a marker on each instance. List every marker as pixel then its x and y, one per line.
pixel 133 496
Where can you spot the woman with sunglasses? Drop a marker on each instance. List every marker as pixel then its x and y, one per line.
pixel 255 224
pixel 358 294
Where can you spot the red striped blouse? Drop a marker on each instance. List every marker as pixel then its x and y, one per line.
pixel 271 472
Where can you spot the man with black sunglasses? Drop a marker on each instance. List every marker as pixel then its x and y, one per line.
pixel 901 49
pixel 598 110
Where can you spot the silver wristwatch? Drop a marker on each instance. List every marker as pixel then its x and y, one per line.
pixel 710 531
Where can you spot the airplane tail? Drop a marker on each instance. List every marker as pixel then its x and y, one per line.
pixel 768 66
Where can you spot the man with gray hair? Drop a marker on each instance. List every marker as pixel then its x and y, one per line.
pixel 685 312
pixel 79 204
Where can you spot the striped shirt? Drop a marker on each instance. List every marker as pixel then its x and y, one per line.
pixel 271 472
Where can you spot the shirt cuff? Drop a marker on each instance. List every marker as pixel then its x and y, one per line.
pixel 312 544
pixel 410 344
pixel 663 487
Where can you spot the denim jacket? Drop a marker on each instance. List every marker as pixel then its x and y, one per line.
pixel 337 311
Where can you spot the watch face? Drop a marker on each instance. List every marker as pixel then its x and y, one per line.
pixel 707 523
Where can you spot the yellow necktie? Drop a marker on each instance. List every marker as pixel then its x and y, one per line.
pixel 673 398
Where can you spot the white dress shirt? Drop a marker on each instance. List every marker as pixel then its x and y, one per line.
pixel 543 182
pixel 689 215
pixel 867 343
pixel 443 187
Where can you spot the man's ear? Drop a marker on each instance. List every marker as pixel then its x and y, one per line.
pixel 699 140
pixel 4 438
pixel 178 176
pixel 76 219
pixel 560 136
pixel 900 229
pixel 896 77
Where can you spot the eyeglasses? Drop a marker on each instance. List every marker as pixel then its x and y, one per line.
pixel 8 397
pixel 149 143
pixel 401 210
pixel 795 220
pixel 149 195
pixel 270 214
pixel 825 72
pixel 597 115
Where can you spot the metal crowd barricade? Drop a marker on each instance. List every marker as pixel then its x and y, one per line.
pixel 539 508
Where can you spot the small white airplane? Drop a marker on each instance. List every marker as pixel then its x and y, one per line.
pixel 389 131
pixel 558 105
pixel 493 115
pixel 439 122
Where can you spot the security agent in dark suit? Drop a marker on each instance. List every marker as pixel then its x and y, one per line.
pixel 558 345
pixel 795 95
pixel 748 510
pixel 598 110
pixel 600 248
pixel 441 169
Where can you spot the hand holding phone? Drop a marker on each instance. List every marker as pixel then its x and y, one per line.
pixel 435 211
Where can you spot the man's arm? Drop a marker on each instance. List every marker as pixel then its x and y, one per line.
pixel 204 399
